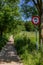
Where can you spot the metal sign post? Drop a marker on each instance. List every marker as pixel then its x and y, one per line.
pixel 36 21
pixel 37 46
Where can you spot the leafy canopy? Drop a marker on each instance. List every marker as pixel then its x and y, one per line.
pixel 8 13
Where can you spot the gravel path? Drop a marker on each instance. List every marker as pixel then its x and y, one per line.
pixel 8 55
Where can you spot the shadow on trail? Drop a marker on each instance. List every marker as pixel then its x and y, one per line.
pixel 9 54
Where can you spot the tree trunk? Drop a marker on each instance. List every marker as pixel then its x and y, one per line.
pixel 1 33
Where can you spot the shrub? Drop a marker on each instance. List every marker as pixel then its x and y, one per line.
pixel 3 41
pixel 27 50
pixel 23 43
pixel 29 26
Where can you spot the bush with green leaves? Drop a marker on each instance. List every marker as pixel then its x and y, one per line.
pixel 23 43
pixel 29 26
pixel 27 50
pixel 18 27
pixel 8 15
pixel 3 41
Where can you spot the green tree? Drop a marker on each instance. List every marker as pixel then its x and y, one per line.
pixel 39 8
pixel 28 10
pixel 37 11
pixel 8 15
pixel 20 26
pixel 29 26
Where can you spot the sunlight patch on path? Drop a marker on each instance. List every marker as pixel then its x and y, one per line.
pixel 12 63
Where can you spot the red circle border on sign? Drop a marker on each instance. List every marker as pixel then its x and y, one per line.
pixel 36 17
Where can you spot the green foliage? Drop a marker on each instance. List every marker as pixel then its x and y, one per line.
pixel 27 50
pixel 29 26
pixel 12 1
pixel 28 10
pixel 19 26
pixel 31 58
pixel 23 43
pixel 8 14
pixel 3 41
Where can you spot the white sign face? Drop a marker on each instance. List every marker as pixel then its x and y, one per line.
pixel 35 20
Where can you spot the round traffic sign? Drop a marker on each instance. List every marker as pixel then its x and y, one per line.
pixel 35 20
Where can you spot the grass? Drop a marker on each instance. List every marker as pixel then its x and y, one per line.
pixel 30 35
pixel 25 43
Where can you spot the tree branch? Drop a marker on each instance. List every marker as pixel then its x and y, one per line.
pixel 41 3
pixel 38 5
pixel 38 2
pixel 34 2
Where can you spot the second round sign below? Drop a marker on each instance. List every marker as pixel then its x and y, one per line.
pixel 35 20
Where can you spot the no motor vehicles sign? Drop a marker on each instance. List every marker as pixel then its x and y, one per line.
pixel 35 20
